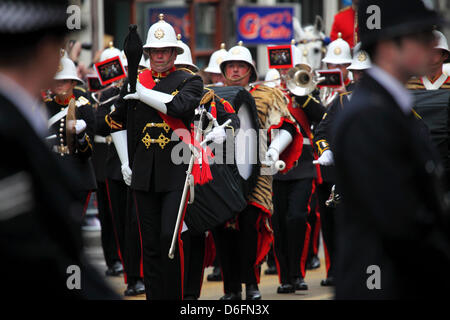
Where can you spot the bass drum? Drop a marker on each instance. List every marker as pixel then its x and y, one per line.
pixel 224 197
pixel 247 136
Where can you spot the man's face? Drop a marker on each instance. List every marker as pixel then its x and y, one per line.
pixel 438 56
pixel 357 74
pixel 162 59
pixel 63 87
pixel 413 55
pixel 234 71
pixel 217 78
pixel 342 67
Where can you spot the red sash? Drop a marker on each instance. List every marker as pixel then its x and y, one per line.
pixel 201 174
pixel 301 118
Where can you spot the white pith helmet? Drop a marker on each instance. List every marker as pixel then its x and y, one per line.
pixel 162 35
pixel 338 52
pixel 240 53
pixel 216 58
pixel 67 69
pixel 186 57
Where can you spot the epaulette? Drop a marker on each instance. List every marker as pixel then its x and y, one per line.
pixel 80 88
pixel 82 101
pixel 48 99
pixel 186 70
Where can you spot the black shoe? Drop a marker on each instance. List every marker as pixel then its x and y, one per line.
pixel 313 263
pixel 115 270
pixel 271 270
pixel 328 282
pixel 252 292
pixel 300 284
pixel 135 289
pixel 286 288
pixel 216 275
pixel 232 296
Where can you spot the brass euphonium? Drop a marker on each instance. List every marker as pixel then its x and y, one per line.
pixel 301 80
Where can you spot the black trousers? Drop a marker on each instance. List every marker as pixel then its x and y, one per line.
pixel 194 256
pixel 108 239
pixel 314 222
pixel 157 214
pixel 327 217
pixel 236 250
pixel 291 230
pixel 125 220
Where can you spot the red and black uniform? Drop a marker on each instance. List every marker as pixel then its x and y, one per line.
pixel 199 249
pixel 119 201
pixel 346 22
pixel 293 194
pixel 80 159
pixel 157 182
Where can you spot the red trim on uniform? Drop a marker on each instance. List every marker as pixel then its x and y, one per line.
pixel 140 236
pixel 294 150
pixel 201 174
pixel 86 204
pixel 316 231
pixel 116 237
pixel 264 240
pixel 180 247
pixel 300 116
pixel 327 257
pixel 64 102
pixel 317 225
pixel 305 250
pixel 277 263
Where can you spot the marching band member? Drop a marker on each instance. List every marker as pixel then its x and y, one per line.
pixel 432 90
pixel 213 69
pixel 360 63
pixel 81 132
pixel 243 243
pixel 156 181
pixel 293 193
pixel 118 199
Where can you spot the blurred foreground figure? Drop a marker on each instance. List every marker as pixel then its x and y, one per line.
pixel 40 238
pixel 394 217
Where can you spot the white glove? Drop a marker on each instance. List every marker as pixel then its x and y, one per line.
pixel 80 126
pixel 326 159
pixel 272 155
pixel 77 125
pixel 218 135
pixel 152 98
pixel 126 173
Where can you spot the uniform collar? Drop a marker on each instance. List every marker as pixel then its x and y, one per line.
pixel 397 90
pixel 164 74
pixel 436 83
pixel 64 102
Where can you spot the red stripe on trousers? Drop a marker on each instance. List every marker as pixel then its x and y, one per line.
pixel 86 204
pixel 140 235
pixel 116 237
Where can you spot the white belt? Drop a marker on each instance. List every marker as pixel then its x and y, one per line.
pixel 100 139
pixel 306 141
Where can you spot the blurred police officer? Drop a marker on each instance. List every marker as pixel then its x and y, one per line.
pixel 39 216
pixel 394 216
